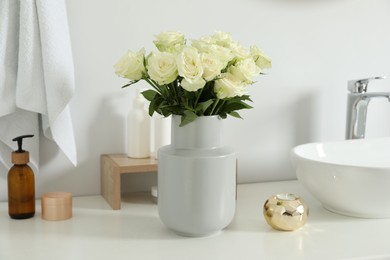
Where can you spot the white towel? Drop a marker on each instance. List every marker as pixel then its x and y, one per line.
pixel 58 74
pixel 45 76
pixel 13 121
pixel 9 26
pixel 30 87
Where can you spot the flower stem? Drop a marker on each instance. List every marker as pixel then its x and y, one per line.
pixel 173 86
pixel 219 107
pixel 198 96
pixel 214 106
pixel 154 85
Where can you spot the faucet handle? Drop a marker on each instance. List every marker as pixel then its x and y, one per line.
pixel 360 85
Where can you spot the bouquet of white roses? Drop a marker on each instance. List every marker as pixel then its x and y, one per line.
pixel 203 77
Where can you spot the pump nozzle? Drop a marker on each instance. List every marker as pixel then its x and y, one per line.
pixel 19 139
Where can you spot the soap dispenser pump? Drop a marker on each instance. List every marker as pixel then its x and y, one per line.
pixel 21 184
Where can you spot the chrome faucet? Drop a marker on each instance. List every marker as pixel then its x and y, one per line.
pixel 358 100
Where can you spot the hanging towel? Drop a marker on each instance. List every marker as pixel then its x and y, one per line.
pixel 30 88
pixel 44 74
pixel 58 73
pixel 13 121
pixel 9 31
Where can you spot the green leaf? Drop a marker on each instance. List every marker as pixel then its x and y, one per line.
pixel 149 94
pixel 222 115
pixel 235 105
pixel 152 108
pixel 190 98
pixel 155 104
pixel 173 109
pixel 130 83
pixel 198 109
pixel 248 98
pixel 206 104
pixel 187 117
pixel 166 112
pixel 235 114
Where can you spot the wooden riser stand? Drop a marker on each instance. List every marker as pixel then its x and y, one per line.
pixel 112 168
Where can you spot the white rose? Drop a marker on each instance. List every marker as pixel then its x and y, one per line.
pixel 212 66
pixel 224 54
pixel 162 67
pixel 193 85
pixel 262 61
pixel 170 42
pixel 245 70
pixel 208 39
pixel 131 65
pixel 222 39
pixel 207 45
pixel 189 64
pixel 239 51
pixel 200 45
pixel 229 86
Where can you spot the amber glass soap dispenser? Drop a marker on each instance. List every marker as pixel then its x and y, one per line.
pixel 21 184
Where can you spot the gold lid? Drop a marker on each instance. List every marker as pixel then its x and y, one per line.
pixel 20 158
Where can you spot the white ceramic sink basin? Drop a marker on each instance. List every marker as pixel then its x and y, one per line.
pixel 349 177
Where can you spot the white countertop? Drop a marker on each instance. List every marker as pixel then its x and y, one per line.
pixel 136 232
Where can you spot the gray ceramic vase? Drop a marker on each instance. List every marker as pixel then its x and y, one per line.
pixel 196 179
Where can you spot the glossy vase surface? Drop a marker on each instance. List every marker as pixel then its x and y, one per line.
pixel 196 179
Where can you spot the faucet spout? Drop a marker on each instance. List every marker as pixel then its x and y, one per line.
pixel 358 100
pixel 357 106
pixel 376 94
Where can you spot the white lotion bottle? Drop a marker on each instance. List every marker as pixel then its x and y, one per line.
pixel 162 133
pixel 138 129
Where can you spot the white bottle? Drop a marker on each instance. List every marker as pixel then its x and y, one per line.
pixel 162 133
pixel 138 129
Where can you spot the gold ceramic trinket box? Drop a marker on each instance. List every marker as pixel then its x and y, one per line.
pixel 286 212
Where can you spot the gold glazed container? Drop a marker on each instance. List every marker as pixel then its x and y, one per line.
pixel 286 212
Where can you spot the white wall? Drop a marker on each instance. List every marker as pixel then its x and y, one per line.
pixel 316 46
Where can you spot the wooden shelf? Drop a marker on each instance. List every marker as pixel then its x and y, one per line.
pixel 112 166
